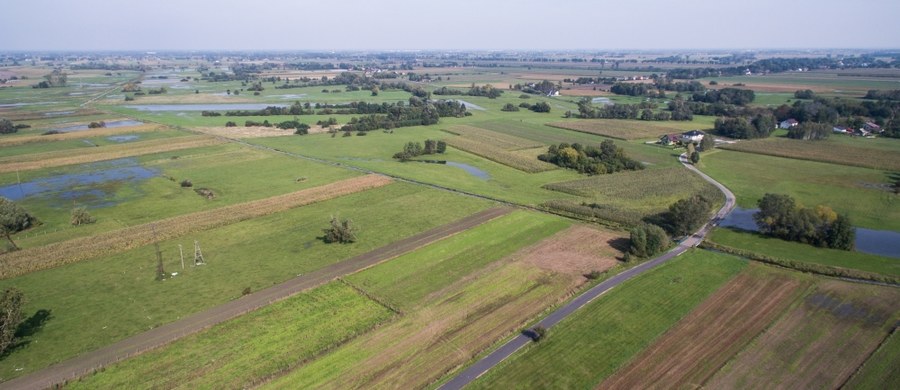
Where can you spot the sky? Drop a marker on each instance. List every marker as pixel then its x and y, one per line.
pixel 447 25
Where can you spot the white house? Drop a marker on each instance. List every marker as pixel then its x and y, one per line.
pixel 788 123
pixel 694 136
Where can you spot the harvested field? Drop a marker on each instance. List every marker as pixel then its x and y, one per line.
pixel 79 156
pixel 493 138
pixel 692 351
pixel 818 344
pixel 57 254
pixel 823 151
pixel 575 251
pixel 499 155
pixel 102 132
pixel 624 129
pixel 240 132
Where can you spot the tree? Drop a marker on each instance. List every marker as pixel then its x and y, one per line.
pixel 707 143
pixel 7 127
pixel 810 131
pixel 13 218
pixel 647 240
pixel 686 215
pixel 340 231
pixel 841 234
pixel 80 216
pixel 11 302
pixel 509 107
pixel 441 147
pixel 695 157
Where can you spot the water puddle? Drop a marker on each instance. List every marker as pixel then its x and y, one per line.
pixel 123 138
pixel 466 167
pixel 110 124
pixel 471 106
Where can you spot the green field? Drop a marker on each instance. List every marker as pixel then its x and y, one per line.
pixel 859 192
pixel 407 280
pixel 588 346
pixel 84 143
pixel 881 371
pixel 234 173
pixel 782 249
pixel 880 153
pixel 243 351
pixel 118 296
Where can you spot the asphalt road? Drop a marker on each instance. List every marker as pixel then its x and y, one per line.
pixel 155 338
pixel 506 350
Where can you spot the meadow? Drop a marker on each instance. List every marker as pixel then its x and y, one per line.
pixel 118 296
pixel 627 129
pixel 593 343
pixel 884 155
pixel 858 192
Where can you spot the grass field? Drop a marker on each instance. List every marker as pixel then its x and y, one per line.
pixel 510 159
pixel 626 129
pixel 244 351
pixel 857 154
pixel 447 321
pixel 782 249
pixel 86 142
pixel 94 303
pixel 694 349
pixel 881 370
pixel 820 342
pixel 35 259
pixel 493 138
pixel 146 130
pixel 235 174
pixel 592 344
pixel 859 192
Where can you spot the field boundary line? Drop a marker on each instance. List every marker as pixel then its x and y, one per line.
pixel 92 361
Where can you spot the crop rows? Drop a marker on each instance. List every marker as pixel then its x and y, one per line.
pixel 829 152
pixel 499 155
pixel 493 138
pixel 79 156
pixel 57 254
pixel 621 129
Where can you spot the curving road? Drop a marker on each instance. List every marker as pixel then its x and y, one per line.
pixel 506 350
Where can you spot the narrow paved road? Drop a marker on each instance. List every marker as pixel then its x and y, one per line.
pixel 91 361
pixel 506 350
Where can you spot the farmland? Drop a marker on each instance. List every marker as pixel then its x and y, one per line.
pixel 591 344
pixel 510 159
pixel 858 154
pixel 626 129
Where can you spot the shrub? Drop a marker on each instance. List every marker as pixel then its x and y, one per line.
pixel 509 107
pixel 538 333
pixel 340 231
pixel 186 183
pixel 80 216
pixel 648 240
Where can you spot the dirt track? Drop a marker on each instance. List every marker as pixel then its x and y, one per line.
pixel 89 362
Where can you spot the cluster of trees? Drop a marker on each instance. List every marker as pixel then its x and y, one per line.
pixel 608 158
pixel 417 112
pixel 775 65
pixel 805 94
pixel 509 107
pixel 780 216
pixel 7 126
pixel 687 215
pixel 760 126
pixel 542 88
pixel 810 131
pixel 415 149
pixel 635 89
pixel 657 88
pixel 893 94
pixel 447 91
pixel 13 219
pixel 57 78
pixel 340 231
pixel 646 241
pixel 294 109
pixel 735 96
pixel 487 90
pixel 643 111
pixel 536 107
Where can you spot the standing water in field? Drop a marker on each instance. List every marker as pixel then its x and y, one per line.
pixel 875 242
pixel 96 186
pixel 110 124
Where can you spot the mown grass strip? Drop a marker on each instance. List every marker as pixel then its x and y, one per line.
pixel 54 255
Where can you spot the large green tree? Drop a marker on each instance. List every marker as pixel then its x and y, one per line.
pixel 11 302
pixel 13 218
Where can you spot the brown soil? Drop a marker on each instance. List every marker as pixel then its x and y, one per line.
pixel 712 333
pixel 575 251
pixel 818 344
pixel 103 153
pixel 53 255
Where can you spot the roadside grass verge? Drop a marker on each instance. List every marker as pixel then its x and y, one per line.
pixel 593 343
pixel 242 351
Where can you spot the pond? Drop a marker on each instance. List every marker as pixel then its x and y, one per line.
pixel 470 105
pixel 466 167
pixel 202 107
pixel 110 124
pixel 123 138
pixel 95 187
pixel 876 242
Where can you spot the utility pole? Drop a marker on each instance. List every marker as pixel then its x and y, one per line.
pixel 181 252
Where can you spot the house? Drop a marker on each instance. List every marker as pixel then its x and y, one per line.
pixel 693 136
pixel 670 139
pixel 841 130
pixel 872 128
pixel 862 132
pixel 788 123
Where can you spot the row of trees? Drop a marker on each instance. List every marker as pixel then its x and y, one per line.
pixel 760 126
pixel 608 158
pixel 415 149
pixel 780 216
pixel 810 131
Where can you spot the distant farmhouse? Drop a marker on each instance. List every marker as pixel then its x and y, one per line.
pixel 693 136
pixel 788 124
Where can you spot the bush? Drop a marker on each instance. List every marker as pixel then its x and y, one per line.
pixel 80 216
pixel 340 231
pixel 686 215
pixel 647 240
pixel 230 124
pixel 186 183
pixel 538 333
pixel 509 107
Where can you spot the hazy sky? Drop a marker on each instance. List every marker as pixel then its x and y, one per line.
pixel 452 24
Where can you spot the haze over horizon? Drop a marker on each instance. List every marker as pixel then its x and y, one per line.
pixel 457 25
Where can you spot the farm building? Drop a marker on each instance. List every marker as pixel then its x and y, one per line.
pixel 841 130
pixel 788 123
pixel 670 139
pixel 872 128
pixel 692 136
